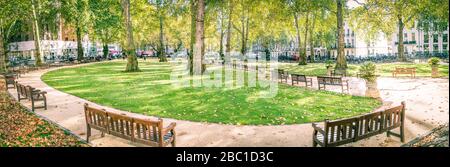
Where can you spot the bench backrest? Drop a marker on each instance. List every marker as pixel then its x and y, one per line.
pixel 148 131
pixel 30 92
pixel 21 89
pixel 96 118
pixel 120 125
pixel 138 130
pixel 393 117
pixel 407 70
pixel 9 79
pixel 370 124
pixel 341 131
pixel 282 73
pixel 329 80
pixel 297 77
pixel 352 129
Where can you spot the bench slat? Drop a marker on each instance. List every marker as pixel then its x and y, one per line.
pixel 348 130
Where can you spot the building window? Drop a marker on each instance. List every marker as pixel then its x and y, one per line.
pixel 406 36
pixel 435 47
pixel 425 38
pixel 435 38
pixel 426 47
pixel 445 38
pixel 413 37
pixel 444 47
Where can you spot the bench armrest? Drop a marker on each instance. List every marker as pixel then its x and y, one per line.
pixel 318 129
pixel 169 128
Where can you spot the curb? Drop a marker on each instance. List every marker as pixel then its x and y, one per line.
pixel 417 139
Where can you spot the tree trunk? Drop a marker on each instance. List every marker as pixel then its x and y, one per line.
pixel 222 56
pixel 230 21
pixel 162 53
pixel 199 38
pixel 303 54
pixel 401 47
pixel 132 63
pixel 37 41
pixel 60 25
pixel 80 52
pixel 191 47
pixel 246 36
pixel 311 38
pixel 2 54
pixel 105 50
pixel 341 63
pixel 297 27
pixel 243 40
pixel 244 32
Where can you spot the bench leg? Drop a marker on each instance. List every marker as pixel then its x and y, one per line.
pixel 32 103
pixel 88 133
pixel 314 144
pixel 402 134
pixel 388 133
pixel 174 139
pixel 45 103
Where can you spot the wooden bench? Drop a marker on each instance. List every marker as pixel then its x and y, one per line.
pixel 332 81
pixel 32 94
pixel 410 71
pixel 343 131
pixel 283 75
pixel 21 92
pixel 10 80
pixel 296 78
pixel 144 131
pixel 341 73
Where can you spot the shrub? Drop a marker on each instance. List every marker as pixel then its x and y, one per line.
pixel 434 61
pixel 367 71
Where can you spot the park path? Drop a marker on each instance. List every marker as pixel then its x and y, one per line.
pixel 426 103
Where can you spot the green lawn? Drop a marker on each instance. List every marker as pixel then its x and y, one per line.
pixel 150 92
pixel 319 69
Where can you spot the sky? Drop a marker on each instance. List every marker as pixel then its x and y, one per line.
pixel 352 4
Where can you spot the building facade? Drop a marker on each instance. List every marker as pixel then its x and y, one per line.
pixel 415 40
pixel 357 46
pixel 54 43
pixel 420 41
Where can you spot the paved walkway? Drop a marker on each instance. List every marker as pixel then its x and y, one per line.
pixel 426 103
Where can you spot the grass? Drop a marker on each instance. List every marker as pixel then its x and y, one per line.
pixel 385 69
pixel 150 92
